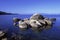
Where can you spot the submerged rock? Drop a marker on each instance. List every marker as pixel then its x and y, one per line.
pixel 53 19
pixel 4 39
pixel 3 35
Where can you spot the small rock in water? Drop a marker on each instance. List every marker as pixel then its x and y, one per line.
pixel 16 19
pixel 53 19
pixel 1 33
pixel 4 39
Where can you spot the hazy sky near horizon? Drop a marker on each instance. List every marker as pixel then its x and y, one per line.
pixel 30 6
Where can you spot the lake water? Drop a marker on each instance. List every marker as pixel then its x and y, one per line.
pixel 6 22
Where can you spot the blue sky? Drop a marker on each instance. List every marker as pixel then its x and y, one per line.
pixel 30 6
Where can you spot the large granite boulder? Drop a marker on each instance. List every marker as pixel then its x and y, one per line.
pixel 36 16
pixel 36 25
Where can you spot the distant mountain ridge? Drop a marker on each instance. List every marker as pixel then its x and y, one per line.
pixel 5 13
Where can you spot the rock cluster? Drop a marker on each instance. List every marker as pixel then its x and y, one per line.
pixel 36 22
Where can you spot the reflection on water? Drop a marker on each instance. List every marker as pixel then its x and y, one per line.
pixel 50 34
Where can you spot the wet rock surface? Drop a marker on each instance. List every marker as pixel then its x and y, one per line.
pixel 3 35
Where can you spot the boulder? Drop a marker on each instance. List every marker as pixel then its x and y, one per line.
pixel 36 17
pixel 49 22
pixel 34 23
pixel 26 20
pixel 16 19
pixel 23 25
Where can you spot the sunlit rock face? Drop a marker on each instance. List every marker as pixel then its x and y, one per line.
pixel 36 21
pixel 22 25
pixel 36 16
pixel 26 20
pixel 36 25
